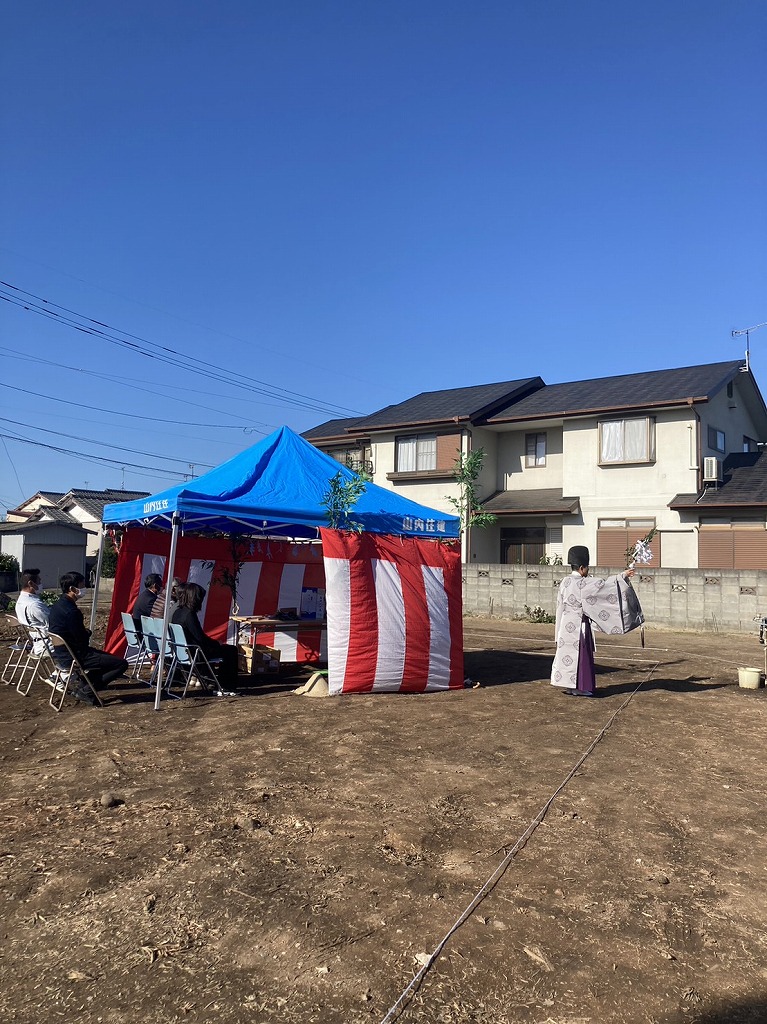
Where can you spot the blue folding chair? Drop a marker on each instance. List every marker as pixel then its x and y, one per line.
pixel 136 653
pixel 194 663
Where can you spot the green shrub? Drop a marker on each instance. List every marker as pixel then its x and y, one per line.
pixel 8 563
pixel 538 614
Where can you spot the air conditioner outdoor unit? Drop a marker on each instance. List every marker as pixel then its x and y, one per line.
pixel 712 470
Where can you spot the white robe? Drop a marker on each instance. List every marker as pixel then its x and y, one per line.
pixel 579 598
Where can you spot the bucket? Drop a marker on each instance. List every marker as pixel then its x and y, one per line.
pixel 750 678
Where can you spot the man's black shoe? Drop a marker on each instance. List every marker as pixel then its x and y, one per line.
pixel 83 695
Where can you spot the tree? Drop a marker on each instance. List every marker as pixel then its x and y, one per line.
pixel 339 499
pixel 468 506
pixel 109 559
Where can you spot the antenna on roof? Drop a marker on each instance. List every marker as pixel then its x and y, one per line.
pixel 747 331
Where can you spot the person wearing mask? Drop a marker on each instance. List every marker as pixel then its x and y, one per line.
pixel 190 597
pixel 66 620
pixel 146 599
pixel 30 609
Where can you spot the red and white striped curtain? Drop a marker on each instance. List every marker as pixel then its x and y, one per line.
pixel 394 613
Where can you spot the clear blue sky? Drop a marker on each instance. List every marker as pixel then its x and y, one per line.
pixel 360 201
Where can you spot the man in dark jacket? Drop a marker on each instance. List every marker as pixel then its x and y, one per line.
pixel 66 619
pixel 146 599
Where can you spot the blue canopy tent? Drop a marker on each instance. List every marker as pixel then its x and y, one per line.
pixel 273 489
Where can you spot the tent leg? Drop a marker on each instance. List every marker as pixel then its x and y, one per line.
pixel 97 582
pixel 170 570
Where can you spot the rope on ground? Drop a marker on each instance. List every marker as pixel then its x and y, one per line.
pixel 496 876
pixel 602 649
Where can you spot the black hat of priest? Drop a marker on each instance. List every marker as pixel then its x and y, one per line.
pixel 578 555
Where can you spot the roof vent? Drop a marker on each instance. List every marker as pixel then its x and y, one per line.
pixel 712 470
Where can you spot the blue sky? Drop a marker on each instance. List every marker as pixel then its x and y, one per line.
pixel 345 204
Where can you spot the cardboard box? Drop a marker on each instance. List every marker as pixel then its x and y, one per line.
pixel 257 660
pixel 266 660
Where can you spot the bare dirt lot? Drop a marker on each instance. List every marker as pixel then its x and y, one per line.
pixel 276 858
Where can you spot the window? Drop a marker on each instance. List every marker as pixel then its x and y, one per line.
pixel 716 439
pixel 356 459
pixel 630 440
pixel 749 444
pixel 535 449
pixel 416 453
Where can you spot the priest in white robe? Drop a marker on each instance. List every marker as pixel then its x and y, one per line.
pixel 581 604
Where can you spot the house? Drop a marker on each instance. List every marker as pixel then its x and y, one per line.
pixel 77 507
pixel 51 546
pixel 600 462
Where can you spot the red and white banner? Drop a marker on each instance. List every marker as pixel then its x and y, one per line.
pixel 393 604
pixel 394 613
pixel 272 576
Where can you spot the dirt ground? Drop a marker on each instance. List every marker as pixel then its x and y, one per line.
pixel 273 857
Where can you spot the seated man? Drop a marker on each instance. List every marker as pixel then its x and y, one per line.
pixel 30 609
pixel 66 619
pixel 146 599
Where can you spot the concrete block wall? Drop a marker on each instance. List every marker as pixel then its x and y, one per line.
pixel 710 599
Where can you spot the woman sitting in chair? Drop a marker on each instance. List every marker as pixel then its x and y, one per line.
pixel 190 597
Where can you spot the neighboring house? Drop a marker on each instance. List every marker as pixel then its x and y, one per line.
pixel 52 547
pixel 598 462
pixel 78 507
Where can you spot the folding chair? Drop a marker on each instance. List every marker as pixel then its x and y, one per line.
pixel 36 665
pixel 135 643
pixel 20 650
pixel 66 672
pixel 193 662
pixel 153 642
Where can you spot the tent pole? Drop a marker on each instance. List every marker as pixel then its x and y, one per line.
pixel 99 560
pixel 171 568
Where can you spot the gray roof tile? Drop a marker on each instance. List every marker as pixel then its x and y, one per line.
pixel 333 428
pixel 628 391
pixel 465 403
pixel 547 499
pixel 744 483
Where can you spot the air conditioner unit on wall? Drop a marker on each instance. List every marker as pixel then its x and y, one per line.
pixel 712 470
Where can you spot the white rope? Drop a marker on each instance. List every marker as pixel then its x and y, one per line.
pixel 602 649
pixel 493 880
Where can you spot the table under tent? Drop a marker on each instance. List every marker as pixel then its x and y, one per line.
pixel 254 532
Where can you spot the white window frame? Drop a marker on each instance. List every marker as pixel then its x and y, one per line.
pixel 535 450
pixel 416 453
pixel 627 441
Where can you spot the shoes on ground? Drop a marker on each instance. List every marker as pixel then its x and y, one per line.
pixel 83 695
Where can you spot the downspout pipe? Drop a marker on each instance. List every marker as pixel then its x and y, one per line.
pixel 698 447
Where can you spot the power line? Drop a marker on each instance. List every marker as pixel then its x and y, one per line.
pixel 156 309
pixel 131 415
pixel 102 330
pixel 103 444
pixel 114 379
pixel 94 458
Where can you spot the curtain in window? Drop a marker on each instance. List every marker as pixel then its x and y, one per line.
pixel 427 453
pixel 612 441
pixel 406 455
pixel 635 440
